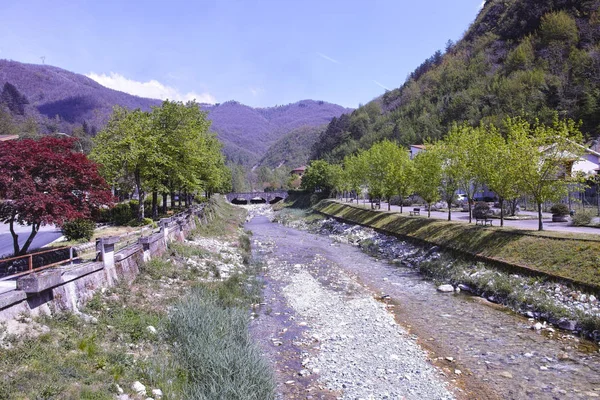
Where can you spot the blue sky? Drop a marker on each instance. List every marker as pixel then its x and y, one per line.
pixel 258 52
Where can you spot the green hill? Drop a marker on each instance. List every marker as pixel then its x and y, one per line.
pixel 519 57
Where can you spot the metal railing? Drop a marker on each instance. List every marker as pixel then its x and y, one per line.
pixel 14 262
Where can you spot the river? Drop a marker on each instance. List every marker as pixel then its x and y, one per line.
pixel 481 350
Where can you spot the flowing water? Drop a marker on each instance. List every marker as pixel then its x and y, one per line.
pixel 485 350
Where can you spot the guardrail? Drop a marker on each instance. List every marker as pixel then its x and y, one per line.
pixel 14 267
pixel 16 263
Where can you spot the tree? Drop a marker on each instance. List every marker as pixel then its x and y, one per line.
pixel 428 176
pixel 550 152
pixel 451 172
pixel 127 147
pixel 465 159
pixel 46 182
pixel 318 177
pixel 354 172
pixel 504 161
pixel 13 99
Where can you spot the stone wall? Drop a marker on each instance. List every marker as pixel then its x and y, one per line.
pixel 68 288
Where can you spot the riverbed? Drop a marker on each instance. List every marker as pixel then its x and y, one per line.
pixel 338 323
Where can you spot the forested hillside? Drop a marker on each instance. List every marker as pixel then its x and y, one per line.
pixel 532 58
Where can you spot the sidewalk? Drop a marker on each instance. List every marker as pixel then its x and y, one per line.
pixel 463 216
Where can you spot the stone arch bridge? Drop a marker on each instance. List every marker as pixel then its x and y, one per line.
pixel 257 197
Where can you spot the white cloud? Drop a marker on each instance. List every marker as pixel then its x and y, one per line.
pixel 256 91
pixel 381 85
pixel 328 58
pixel 152 89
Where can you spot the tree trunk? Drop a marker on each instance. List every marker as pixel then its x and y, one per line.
pixel 401 203
pixel 501 201
pixel 470 205
pixel 165 196
pixel 179 197
pixel 172 199
pixel 449 210
pixel 34 230
pixel 428 210
pixel 155 204
pixel 540 224
pixel 15 236
pixel 141 195
pixel 185 199
pixel 389 205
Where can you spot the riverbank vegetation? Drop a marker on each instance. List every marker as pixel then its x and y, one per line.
pixel 181 327
pixel 570 256
pixel 534 160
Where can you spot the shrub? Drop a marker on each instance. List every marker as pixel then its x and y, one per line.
pixel 143 222
pixel 582 218
pixel 481 210
pixel 559 209
pixel 78 229
pixel 559 26
pixel 121 214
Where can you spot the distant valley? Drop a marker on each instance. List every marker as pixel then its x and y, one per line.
pixel 59 100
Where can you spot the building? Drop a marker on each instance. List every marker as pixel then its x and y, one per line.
pixel 299 171
pixel 4 138
pixel 415 149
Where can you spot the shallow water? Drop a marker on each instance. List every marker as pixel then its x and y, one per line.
pixel 496 351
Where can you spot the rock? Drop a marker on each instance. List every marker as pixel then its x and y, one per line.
pixel 445 288
pixel 543 368
pixel 465 288
pixel 457 290
pixel 124 397
pixel 157 393
pixel 151 329
pixel 538 326
pixel 138 387
pixel 457 371
pixel 567 324
pixel 505 374
pixel 583 298
pixel 290 382
pixel 119 389
pixel 529 314
pixel 450 359
pixel 592 298
pixel 304 372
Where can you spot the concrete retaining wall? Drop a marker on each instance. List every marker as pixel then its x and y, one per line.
pixel 68 288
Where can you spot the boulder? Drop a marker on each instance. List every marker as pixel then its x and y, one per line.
pixel 445 288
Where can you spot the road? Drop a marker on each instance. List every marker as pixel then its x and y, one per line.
pixel 530 224
pixel 47 234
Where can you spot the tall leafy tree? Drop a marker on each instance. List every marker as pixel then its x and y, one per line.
pixel 551 151
pixel 428 176
pixel 44 182
pixel 128 147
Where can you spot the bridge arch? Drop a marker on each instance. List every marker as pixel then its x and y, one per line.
pixel 257 197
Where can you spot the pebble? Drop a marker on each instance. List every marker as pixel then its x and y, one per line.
pixel 138 387
pixel 445 288
pixel 506 374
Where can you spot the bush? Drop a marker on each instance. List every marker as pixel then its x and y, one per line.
pixel 559 209
pixel 582 218
pixel 481 210
pixel 135 222
pixel 78 229
pixel 121 214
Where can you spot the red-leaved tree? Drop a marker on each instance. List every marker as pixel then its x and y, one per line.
pixel 46 182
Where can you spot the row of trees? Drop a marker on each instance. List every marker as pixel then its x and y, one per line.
pixel 521 159
pixel 164 151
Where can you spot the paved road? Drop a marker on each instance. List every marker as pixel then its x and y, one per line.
pixel 531 224
pixel 47 234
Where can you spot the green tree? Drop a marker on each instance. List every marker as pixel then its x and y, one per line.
pixel 127 147
pixel 550 152
pixel 318 177
pixel 428 176
pixel 505 158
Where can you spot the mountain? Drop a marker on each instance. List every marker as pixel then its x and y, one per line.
pixel 248 132
pixel 43 92
pixel 535 58
pixel 293 149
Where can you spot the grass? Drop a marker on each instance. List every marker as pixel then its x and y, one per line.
pixel 574 257
pixel 201 350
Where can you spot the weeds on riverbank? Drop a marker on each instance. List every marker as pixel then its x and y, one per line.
pixel 127 333
pixel 520 293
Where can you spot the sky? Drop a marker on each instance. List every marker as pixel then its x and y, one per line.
pixel 259 52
